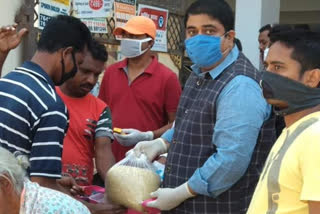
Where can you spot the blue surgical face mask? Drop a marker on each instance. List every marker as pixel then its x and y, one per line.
pixel 204 50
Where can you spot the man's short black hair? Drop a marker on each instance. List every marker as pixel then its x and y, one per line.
pixel 98 51
pixel 216 9
pixel 305 45
pixel 280 28
pixel 302 26
pixel 264 28
pixel 64 31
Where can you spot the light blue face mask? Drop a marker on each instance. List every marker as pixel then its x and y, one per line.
pixel 204 50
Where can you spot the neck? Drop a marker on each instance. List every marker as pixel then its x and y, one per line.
pixel 16 207
pixel 292 118
pixel 14 203
pixel 65 89
pixel 140 63
pixel 46 61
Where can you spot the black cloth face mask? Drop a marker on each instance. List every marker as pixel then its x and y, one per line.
pixel 65 76
pixel 297 95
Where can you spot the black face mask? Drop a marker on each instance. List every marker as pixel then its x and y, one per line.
pixel 65 76
pixel 297 95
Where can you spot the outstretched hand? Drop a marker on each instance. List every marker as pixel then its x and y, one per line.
pixel 132 136
pixel 10 38
pixel 70 185
pixel 169 198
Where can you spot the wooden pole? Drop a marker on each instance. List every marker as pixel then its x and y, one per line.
pixel 26 18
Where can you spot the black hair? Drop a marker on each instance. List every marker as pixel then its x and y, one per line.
pixel 98 51
pixel 264 28
pixel 302 26
pixel 238 43
pixel 216 9
pixel 305 45
pixel 280 28
pixel 64 31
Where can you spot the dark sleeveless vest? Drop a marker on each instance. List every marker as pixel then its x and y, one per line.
pixel 192 143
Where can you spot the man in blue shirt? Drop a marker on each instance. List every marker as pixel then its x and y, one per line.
pixel 33 118
pixel 222 133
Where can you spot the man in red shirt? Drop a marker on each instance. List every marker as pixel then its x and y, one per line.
pixel 90 129
pixel 142 93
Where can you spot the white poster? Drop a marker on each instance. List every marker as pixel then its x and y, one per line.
pixel 50 8
pixel 160 17
pixel 96 25
pixel 93 8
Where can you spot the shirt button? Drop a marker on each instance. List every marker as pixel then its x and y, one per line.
pixel 198 83
pixel 168 169
pixel 186 111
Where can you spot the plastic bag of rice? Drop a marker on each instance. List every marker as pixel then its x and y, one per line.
pixel 131 181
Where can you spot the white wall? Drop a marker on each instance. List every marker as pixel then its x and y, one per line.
pixel 270 12
pixel 248 20
pixel 250 12
pixel 8 11
pixel 249 17
pixel 294 11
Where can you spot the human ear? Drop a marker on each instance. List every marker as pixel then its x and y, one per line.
pixel 231 35
pixel 67 51
pixel 230 38
pixel 5 183
pixel 312 78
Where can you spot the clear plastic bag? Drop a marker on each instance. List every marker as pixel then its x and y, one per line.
pixel 130 182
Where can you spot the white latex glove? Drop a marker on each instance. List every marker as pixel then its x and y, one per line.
pixel 132 137
pixel 151 149
pixel 169 198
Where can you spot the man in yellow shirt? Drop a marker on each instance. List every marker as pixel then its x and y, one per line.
pixel 290 181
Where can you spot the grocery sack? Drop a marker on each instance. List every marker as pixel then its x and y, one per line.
pixel 130 182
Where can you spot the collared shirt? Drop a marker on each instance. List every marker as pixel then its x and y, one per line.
pixel 241 110
pixel 33 119
pixel 142 104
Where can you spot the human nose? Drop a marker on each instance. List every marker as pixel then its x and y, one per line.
pixel 268 68
pixel 261 47
pixel 91 79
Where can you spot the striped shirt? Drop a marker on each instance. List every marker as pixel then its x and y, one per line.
pixel 33 119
